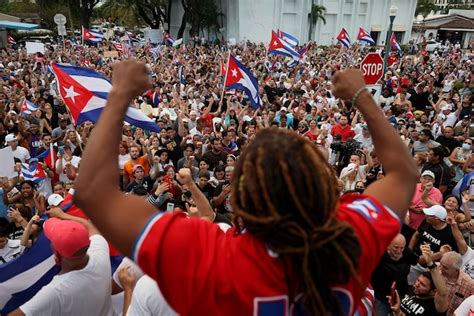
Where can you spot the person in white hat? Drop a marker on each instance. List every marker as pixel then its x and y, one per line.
pixel 435 232
pixel 55 199
pixel 18 152
pixel 426 195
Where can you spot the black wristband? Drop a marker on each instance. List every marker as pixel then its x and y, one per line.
pixel 432 266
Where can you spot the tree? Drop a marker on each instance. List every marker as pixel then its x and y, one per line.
pixel 154 12
pixel 123 11
pixel 425 7
pixel 201 15
pixel 318 12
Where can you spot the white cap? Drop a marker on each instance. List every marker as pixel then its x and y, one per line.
pixel 246 118
pixel 428 173
pixel 437 211
pixel 283 109
pixel 446 107
pixel 55 199
pixel 10 138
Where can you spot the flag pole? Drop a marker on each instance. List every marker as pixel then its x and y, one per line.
pixel 225 77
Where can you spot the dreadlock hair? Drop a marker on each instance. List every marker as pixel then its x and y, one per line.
pixel 285 193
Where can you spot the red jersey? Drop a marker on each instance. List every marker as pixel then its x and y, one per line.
pixel 346 132
pixel 203 271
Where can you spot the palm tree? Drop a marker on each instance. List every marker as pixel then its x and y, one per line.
pixel 318 12
pixel 122 10
pixel 424 7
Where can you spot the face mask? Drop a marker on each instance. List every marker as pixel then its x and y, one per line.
pixel 466 147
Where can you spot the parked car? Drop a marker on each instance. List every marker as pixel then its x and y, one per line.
pixel 432 45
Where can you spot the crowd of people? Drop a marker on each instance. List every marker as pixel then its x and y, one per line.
pixel 428 269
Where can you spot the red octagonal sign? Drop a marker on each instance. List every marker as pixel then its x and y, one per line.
pixel 372 68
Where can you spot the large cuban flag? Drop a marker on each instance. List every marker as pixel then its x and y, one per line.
pixel 238 77
pixel 279 46
pixel 85 92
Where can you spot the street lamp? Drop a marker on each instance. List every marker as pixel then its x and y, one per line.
pixel 392 14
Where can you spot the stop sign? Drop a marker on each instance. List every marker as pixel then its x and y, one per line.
pixel 372 68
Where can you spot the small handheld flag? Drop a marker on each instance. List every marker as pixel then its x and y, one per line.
pixel 364 36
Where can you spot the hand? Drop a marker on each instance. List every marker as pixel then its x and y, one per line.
pixel 15 215
pixel 131 78
pixel 226 188
pixel 445 248
pixel 428 186
pixel 163 187
pixel 465 197
pixel 55 212
pixel 184 176
pixel 346 83
pixel 33 220
pixel 426 252
pixel 394 306
pixel 450 219
pixel 127 278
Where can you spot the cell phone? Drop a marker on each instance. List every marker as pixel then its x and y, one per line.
pixel 61 150
pixel 170 207
pixel 393 294
pixel 168 180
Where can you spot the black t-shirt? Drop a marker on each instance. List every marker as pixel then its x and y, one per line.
pixel 208 191
pixel 450 143
pixel 372 174
pixel 389 271
pixel 414 306
pixel 435 238
pixel 147 184
pixel 420 100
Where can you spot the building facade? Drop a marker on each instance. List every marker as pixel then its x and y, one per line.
pixel 254 19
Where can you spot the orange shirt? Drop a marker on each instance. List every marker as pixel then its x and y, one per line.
pixel 128 167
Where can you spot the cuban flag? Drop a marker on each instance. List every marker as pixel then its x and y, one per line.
pixel 33 171
pixel 465 184
pixel 49 157
pixel 364 36
pixel 10 40
pixel 290 39
pixel 23 277
pixel 85 93
pixel 28 107
pixel 295 62
pixel 155 99
pixel 279 47
pixel 394 44
pixel 94 37
pixel 168 39
pixel 238 77
pixel 343 38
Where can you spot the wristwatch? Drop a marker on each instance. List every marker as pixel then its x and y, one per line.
pixel 432 266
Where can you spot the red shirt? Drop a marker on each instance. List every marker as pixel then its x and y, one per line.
pixel 207 119
pixel 345 132
pixel 203 271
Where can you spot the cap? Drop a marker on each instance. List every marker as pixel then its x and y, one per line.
pixel 10 138
pixel 428 173
pixel 466 117
pixel 137 166
pixel 283 109
pixel 365 126
pixel 437 211
pixel 446 107
pixel 67 237
pixel 55 199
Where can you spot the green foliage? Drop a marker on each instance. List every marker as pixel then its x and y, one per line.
pixel 424 7
pixel 318 12
pixel 123 12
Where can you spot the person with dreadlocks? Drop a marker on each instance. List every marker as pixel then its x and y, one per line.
pixel 303 249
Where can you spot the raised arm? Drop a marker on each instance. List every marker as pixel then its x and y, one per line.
pixel 119 217
pixel 399 167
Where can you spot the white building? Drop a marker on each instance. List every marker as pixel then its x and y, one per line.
pixel 442 4
pixel 255 19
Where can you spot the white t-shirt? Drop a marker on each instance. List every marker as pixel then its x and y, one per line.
pixel 62 175
pixel 123 159
pixel 11 250
pixel 148 300
pixel 466 308
pixel 80 292
pixel 468 262
pixel 21 153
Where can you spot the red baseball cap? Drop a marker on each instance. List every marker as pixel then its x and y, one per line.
pixel 67 237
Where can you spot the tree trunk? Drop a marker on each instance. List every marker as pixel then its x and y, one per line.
pixel 182 27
